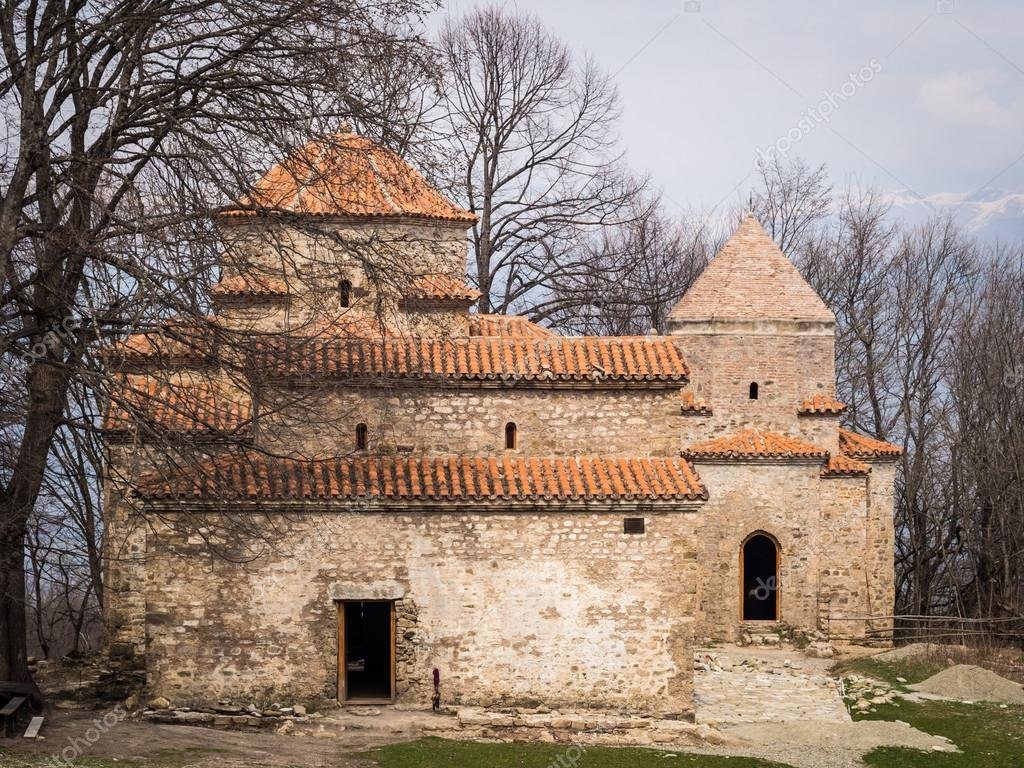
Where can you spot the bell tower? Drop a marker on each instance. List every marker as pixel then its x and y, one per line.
pixel 759 340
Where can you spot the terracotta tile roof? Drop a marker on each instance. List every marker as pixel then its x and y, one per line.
pixel 507 327
pixel 844 466
pixel 864 447
pixel 349 324
pixel 690 403
pixel 430 479
pixel 441 289
pixel 821 404
pixel 347 175
pixel 249 285
pixel 176 342
pixel 555 359
pixel 754 443
pixel 751 279
pixel 182 402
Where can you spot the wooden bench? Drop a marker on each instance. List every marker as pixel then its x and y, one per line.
pixel 33 727
pixel 9 714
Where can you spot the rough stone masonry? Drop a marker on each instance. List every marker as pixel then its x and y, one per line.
pixel 377 483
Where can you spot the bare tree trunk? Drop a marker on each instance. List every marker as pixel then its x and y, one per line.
pixel 13 650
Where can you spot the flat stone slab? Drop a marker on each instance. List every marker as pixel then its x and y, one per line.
pixel 743 685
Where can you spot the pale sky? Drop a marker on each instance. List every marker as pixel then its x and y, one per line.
pixel 938 105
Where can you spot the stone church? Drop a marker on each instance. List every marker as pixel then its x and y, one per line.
pixel 377 482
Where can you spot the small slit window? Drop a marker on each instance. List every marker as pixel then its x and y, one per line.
pixel 633 525
pixel 510 435
pixel 361 437
pixel 345 293
pixel 753 390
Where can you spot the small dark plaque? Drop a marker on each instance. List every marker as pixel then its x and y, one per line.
pixel 633 525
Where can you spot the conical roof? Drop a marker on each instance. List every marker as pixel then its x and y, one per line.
pixel 348 175
pixel 751 279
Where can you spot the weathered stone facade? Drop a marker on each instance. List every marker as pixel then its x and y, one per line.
pixel 479 484
pixel 510 607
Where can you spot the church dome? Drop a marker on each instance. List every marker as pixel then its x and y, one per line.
pixel 347 175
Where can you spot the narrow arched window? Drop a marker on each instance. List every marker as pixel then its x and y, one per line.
pixel 753 390
pixel 510 435
pixel 361 437
pixel 345 293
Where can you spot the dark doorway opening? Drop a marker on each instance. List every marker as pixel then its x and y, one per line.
pixel 760 578
pixel 367 650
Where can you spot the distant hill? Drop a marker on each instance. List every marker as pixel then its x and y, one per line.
pixel 989 214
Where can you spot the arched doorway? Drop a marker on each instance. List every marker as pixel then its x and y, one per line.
pixel 759 576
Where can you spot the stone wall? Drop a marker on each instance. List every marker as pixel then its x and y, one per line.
pixel 787 367
pixel 781 500
pixel 560 608
pixel 379 259
pixel 643 422
pixel 880 543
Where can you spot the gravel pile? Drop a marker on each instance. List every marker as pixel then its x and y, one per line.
pixel 967 682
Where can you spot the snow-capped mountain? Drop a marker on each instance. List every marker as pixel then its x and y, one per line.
pixel 989 214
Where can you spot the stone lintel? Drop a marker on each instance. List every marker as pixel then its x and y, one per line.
pixel 381 589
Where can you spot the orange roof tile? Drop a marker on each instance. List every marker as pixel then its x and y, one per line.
pixel 248 285
pixel 844 466
pixel 754 443
pixel 347 175
pixel 690 403
pixel 821 404
pixel 176 342
pixel 592 360
pixel 440 289
pixel 864 447
pixel 507 327
pixel 751 279
pixel 430 479
pixel 178 402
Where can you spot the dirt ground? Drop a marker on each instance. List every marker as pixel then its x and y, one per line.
pixel 341 738
pixel 341 741
pixel 330 745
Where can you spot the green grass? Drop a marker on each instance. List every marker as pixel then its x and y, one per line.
pixel 441 753
pixel 986 734
pixel 911 670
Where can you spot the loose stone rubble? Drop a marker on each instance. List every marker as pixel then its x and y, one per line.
pixel 228 715
pixel 865 693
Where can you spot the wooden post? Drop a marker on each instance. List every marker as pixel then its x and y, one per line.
pixel 342 693
pixel 394 646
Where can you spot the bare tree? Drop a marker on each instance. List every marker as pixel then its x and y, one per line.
pixel 630 275
pixel 791 201
pixel 987 481
pixel 127 124
pixel 534 134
